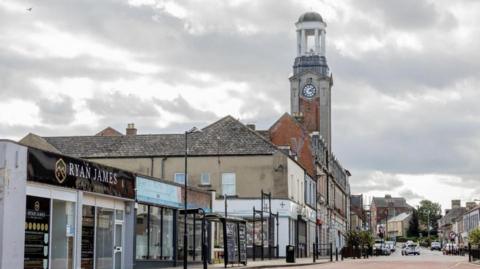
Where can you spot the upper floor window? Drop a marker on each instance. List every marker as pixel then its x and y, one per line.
pixel 205 179
pixel 180 178
pixel 228 184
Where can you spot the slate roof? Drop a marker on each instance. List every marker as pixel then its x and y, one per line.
pixel 227 136
pixel 452 214
pixel 356 201
pixel 400 217
pixel 390 202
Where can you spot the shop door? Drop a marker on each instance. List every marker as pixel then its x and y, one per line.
pixel 104 239
pixel 118 249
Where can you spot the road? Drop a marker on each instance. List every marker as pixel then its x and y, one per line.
pixel 427 260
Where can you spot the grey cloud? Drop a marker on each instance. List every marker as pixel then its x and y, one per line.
pixel 121 105
pixel 408 14
pixel 56 111
pixel 376 181
pixel 180 106
pixel 410 195
pixel 429 138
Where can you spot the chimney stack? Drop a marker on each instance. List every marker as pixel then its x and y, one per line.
pixel 131 130
pixel 456 204
pixel 470 205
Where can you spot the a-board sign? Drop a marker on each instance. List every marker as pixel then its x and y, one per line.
pixel 242 242
pixel 232 242
pixel 271 231
pixel 37 231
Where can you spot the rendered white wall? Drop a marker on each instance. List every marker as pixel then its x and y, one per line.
pixel 13 174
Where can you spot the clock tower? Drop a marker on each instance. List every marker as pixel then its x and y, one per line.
pixel 311 83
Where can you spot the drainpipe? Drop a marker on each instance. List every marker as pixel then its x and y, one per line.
pixel 162 163
pixel 151 166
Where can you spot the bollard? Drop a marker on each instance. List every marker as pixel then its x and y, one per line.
pixel 331 252
pixel 336 254
pixel 469 253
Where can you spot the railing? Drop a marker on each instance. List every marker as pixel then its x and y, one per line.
pixel 323 251
pixel 356 252
pixel 473 253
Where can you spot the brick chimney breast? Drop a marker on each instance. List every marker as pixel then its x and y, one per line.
pixel 131 130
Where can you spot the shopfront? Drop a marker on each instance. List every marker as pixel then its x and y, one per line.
pixel 160 222
pixel 75 212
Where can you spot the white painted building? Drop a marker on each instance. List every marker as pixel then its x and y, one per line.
pixel 296 219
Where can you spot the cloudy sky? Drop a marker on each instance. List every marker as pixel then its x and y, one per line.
pixel 406 113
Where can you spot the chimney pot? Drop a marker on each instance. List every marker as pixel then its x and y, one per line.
pixel 131 130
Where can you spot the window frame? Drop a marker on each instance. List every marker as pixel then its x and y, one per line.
pixel 234 184
pixel 209 183
pixel 149 230
pixel 180 173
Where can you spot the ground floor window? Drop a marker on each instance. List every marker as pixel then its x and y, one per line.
pixel 102 238
pixel 63 234
pixel 194 230
pixel 154 233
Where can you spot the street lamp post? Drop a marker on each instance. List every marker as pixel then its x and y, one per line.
pixel 428 224
pixel 185 229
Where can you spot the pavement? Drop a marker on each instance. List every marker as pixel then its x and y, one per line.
pixel 426 260
pixel 274 263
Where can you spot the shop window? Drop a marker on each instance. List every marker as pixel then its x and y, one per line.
pixel 205 179
pixel 63 234
pixel 155 219
pixel 154 233
pixel 167 234
pixel 228 184
pixel 141 233
pixel 88 236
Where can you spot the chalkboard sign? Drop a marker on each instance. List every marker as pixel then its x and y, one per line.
pixel 271 231
pixel 242 242
pixel 232 242
pixel 37 229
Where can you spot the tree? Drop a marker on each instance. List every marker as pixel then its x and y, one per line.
pixel 429 211
pixel 366 239
pixel 474 236
pixel 413 224
pixel 353 238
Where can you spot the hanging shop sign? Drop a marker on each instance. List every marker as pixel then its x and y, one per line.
pixel 37 230
pixel 60 170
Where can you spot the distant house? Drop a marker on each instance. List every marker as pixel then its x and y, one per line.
pixel 446 224
pixel 357 213
pixel 384 208
pixel 398 225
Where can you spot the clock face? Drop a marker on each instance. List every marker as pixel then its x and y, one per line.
pixel 309 91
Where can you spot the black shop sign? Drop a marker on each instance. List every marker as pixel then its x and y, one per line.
pixel 55 169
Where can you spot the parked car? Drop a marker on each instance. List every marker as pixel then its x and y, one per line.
pixel 435 246
pixel 380 248
pixel 411 249
pixel 391 245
